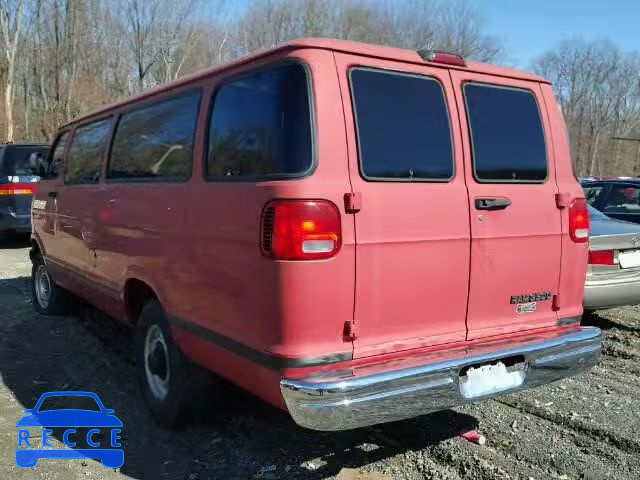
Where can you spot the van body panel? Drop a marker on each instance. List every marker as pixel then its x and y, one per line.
pixel 573 268
pixel 412 260
pixel 296 311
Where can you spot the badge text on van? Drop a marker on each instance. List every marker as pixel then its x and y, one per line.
pixel 531 297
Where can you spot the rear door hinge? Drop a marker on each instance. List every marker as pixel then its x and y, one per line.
pixel 352 202
pixel 562 200
pixel 555 303
pixel 350 333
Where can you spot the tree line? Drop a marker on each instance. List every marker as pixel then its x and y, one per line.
pixel 63 58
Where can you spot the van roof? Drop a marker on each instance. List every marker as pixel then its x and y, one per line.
pixel 344 46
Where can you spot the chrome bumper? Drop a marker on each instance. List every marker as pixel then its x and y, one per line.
pixel 352 401
pixel 609 294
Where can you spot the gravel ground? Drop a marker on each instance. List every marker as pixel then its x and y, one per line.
pixel 580 428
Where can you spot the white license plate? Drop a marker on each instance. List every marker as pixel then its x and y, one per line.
pixel 629 259
pixel 490 379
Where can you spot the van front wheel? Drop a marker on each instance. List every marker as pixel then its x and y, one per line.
pixel 47 297
pixel 169 382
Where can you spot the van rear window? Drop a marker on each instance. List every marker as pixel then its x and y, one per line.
pixel 507 136
pixel 261 126
pixel 403 126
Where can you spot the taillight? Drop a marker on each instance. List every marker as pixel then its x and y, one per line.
pixel 579 221
pixel 17 189
pixel 300 229
pixel 603 257
pixel 442 57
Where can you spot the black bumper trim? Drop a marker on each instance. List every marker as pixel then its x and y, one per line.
pixel 268 360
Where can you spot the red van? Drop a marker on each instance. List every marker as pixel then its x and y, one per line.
pixel 354 233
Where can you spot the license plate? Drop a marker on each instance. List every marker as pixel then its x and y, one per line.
pixel 490 379
pixel 629 259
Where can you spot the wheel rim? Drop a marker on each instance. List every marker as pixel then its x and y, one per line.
pixel 156 362
pixel 42 286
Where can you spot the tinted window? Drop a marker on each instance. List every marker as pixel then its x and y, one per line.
pixel 260 125
pixel 156 142
pixel 622 199
pixel 507 136
pixel 84 159
pixel 16 161
pixel 592 193
pixel 56 159
pixel 403 126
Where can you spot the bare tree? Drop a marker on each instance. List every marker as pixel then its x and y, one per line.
pixel 11 12
pixel 597 86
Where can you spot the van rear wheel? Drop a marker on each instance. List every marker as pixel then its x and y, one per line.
pixel 170 383
pixel 47 297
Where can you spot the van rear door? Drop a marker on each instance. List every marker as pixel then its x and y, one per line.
pixel 515 220
pixel 412 227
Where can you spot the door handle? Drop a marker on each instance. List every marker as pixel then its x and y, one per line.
pixel 492 203
pixel 53 194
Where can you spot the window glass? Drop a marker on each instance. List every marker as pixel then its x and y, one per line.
pixel 22 161
pixel 56 160
pixel 84 159
pixel 622 199
pixel 261 125
pixel 156 142
pixel 507 134
pixel 403 126
pixel 592 193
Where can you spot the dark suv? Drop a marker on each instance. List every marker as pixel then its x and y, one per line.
pixel 20 170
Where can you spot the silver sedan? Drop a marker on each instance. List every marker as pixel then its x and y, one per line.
pixel 613 275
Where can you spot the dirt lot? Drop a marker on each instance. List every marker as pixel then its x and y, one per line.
pixel 587 427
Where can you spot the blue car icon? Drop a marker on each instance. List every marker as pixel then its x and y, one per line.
pixel 69 418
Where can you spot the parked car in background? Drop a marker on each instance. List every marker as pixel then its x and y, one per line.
pixel 613 274
pixel 617 198
pixel 20 165
pixel 220 216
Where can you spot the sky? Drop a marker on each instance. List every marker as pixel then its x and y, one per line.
pixel 529 28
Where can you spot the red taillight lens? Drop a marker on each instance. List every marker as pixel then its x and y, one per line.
pixel 300 229
pixel 579 221
pixel 17 189
pixel 602 257
pixel 442 57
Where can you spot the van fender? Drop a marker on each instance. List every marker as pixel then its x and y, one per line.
pixel 37 246
pixel 135 272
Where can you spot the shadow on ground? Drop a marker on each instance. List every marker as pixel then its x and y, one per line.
pixel 594 319
pixel 233 437
pixel 15 241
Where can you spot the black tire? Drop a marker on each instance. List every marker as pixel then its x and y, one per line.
pixel 60 301
pixel 185 383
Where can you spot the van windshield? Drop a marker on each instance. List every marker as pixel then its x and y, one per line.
pixel 14 162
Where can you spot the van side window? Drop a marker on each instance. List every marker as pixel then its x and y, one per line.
pixel 84 160
pixel 261 125
pixel 56 156
pixel 403 126
pixel 156 142
pixel 507 135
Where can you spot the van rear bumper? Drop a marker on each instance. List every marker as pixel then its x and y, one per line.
pixel 390 394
